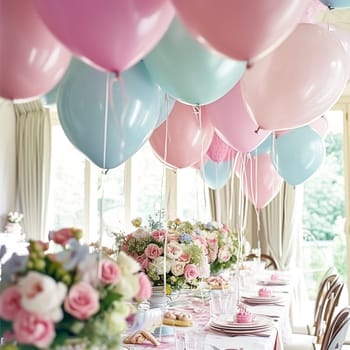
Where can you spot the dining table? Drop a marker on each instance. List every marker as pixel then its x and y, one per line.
pixel 272 314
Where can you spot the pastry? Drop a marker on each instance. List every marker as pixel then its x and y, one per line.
pixel 217 282
pixel 244 316
pixel 140 337
pixel 177 318
pixel 265 292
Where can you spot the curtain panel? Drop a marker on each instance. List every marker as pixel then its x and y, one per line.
pixel 33 137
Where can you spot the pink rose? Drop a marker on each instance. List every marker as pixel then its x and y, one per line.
pixel 82 301
pixel 145 287
pixel 143 261
pixel 33 329
pixel 190 272
pixel 61 236
pixel 224 254
pixel 158 235
pixel 152 251
pixel 184 257
pixel 110 272
pixel 174 250
pixel 10 303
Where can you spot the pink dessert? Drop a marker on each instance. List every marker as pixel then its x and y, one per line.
pixel 265 292
pixel 244 316
pixel 274 277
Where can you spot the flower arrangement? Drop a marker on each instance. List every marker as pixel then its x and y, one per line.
pixel 49 299
pixel 14 217
pixel 222 244
pixel 172 253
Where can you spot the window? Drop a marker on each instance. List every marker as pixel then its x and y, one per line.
pixel 324 214
pixel 140 187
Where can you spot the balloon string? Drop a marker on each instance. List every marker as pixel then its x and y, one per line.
pixel 106 120
pixel 164 261
pixel 197 111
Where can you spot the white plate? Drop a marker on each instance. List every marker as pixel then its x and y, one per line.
pixel 259 322
pixel 278 282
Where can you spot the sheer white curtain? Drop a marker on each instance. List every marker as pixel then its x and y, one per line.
pixel 7 160
pixel 33 128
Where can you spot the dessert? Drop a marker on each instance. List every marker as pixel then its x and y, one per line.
pixel 274 277
pixel 265 292
pixel 244 316
pixel 217 282
pixel 140 337
pixel 177 318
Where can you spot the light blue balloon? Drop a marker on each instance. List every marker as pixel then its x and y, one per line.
pixel 133 111
pixel 216 175
pixel 264 147
pixel 336 3
pixel 190 72
pixel 166 106
pixel 298 154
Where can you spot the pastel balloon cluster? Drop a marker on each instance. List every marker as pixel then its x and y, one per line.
pixel 218 86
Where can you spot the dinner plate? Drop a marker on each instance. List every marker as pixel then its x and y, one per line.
pixel 256 299
pixel 240 331
pixel 259 322
pixel 278 282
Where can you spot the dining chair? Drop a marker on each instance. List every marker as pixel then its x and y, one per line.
pixel 270 262
pixel 328 278
pixel 328 301
pixel 335 334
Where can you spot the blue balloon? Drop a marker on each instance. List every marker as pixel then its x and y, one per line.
pixel 264 147
pixel 216 175
pixel 189 71
pixel 334 4
pixel 298 154
pixel 166 106
pixel 133 111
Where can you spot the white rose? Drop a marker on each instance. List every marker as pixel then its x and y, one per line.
pixel 140 233
pixel 128 286
pixel 224 254
pixel 173 250
pixel 127 264
pixel 115 322
pixel 177 268
pixel 158 265
pixel 42 295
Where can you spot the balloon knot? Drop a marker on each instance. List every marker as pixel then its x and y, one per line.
pixel 330 7
pixel 116 74
pixel 257 130
pixel 249 64
pixel 196 109
pixel 105 171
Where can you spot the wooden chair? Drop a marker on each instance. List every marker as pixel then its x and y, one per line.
pixel 270 262
pixel 336 332
pixel 328 301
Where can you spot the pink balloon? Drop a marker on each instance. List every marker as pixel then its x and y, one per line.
pixel 320 125
pixel 243 30
pixel 260 179
pixel 344 37
pixel 111 34
pixel 298 82
pixel 313 11
pixel 32 60
pixel 218 149
pixel 232 121
pixel 181 140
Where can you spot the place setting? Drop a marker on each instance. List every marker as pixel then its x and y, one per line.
pixel 242 322
pixel 263 296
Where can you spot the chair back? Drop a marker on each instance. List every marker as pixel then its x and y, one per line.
pixel 333 286
pixel 336 332
pixel 270 262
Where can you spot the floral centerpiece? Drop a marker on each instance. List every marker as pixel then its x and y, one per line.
pixel 49 300
pixel 13 224
pixel 170 253
pixel 222 244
